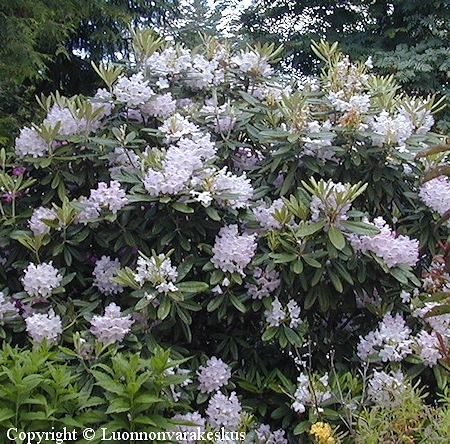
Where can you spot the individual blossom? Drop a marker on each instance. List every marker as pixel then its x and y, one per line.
pixel 353 108
pixel 201 72
pixel 347 76
pixel 112 326
pixel 322 432
pixel 175 388
pixel 358 103
pixel 391 342
pixel 224 411
pixel 275 316
pixel 157 270
pixel 36 222
pixel 203 197
pixel 436 278
pixel 213 375
pixel 246 157
pixel 102 100
pixel 182 166
pixel 30 143
pixel 41 279
pixel 222 118
pixel 394 250
pixel 105 269
pixel 232 251
pixel 387 389
pixel 265 283
pixel 44 326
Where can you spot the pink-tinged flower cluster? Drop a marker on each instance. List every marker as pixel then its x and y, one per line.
pixel 110 198
pixel 279 314
pixel 232 251
pixel 44 326
pixel 231 190
pixel 112 327
pixel 182 167
pixel 36 222
pixel 435 193
pixel 41 279
pixel 213 375
pixel 428 347
pixel 391 342
pixel 177 126
pixel 221 118
pixel 105 269
pixel 266 436
pixel 394 250
pixel 160 105
pixel 265 283
pixel 265 214
pixel 30 143
pixel 317 146
pixel 224 411
pixel 387 389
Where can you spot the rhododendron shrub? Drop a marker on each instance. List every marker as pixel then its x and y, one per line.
pixel 275 231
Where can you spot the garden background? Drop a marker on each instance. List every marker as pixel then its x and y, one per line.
pixel 241 227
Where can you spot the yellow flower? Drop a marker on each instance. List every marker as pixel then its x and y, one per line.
pixel 323 432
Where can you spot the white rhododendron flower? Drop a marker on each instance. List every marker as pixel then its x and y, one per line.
pixel 41 279
pixel 112 326
pixel 213 375
pixel 44 326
